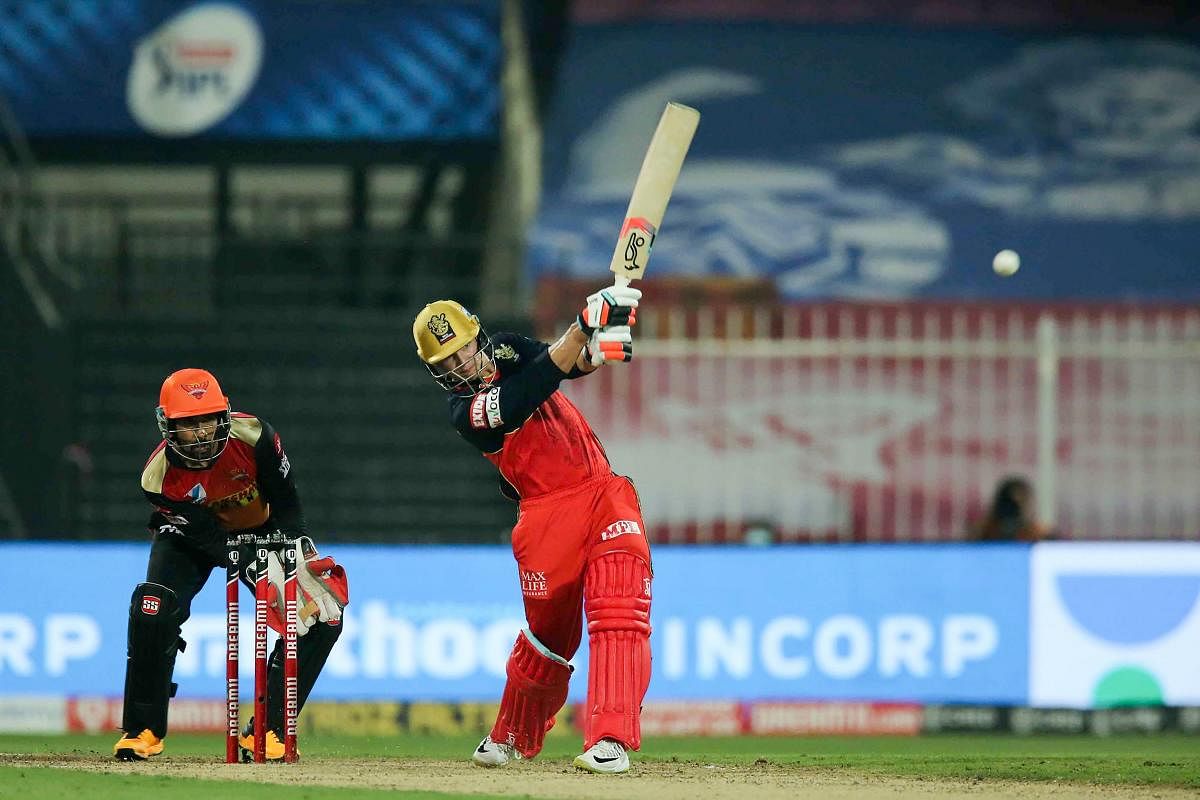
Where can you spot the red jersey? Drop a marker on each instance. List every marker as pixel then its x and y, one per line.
pixel 249 485
pixel 534 435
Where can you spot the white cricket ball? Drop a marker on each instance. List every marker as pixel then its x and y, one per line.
pixel 1006 262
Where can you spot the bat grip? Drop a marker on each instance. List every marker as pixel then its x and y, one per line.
pixel 618 280
pixel 596 360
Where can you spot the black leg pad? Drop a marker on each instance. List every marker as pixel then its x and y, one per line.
pixel 150 658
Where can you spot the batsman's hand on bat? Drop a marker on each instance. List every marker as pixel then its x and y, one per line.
pixel 611 306
pixel 612 344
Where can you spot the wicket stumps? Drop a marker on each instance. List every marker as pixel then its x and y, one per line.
pixel 262 544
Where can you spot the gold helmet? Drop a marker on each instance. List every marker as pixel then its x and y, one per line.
pixel 441 329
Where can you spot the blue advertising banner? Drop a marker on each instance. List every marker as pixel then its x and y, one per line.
pixel 865 162
pixel 892 622
pixel 253 69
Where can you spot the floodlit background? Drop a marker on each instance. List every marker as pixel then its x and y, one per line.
pixel 884 484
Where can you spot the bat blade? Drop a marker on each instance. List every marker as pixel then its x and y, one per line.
pixel 652 191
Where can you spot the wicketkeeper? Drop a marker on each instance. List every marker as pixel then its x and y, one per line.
pixel 579 539
pixel 218 473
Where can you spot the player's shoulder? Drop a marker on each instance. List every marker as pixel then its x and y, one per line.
pixel 246 428
pixel 154 473
pixel 512 350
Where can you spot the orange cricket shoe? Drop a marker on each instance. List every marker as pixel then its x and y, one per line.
pixel 274 748
pixel 138 748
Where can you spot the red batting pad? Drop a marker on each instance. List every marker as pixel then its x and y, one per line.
pixel 535 691
pixel 617 598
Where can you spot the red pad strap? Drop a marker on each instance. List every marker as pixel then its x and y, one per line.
pixel 535 691
pixel 617 594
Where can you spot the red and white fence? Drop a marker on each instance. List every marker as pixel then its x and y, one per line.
pixel 865 423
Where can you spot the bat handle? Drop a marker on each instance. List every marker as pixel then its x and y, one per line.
pixel 618 280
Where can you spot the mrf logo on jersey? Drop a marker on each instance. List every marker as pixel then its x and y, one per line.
pixel 439 326
pixel 620 528
pixel 196 390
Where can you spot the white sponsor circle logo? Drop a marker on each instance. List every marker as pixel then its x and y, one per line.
pixel 194 70
pixel 1114 624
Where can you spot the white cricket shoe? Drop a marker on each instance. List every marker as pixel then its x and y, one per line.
pixel 494 754
pixel 605 757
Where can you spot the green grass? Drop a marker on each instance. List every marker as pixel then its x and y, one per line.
pixel 1160 760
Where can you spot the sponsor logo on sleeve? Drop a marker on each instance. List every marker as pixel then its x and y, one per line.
pixel 478 415
pixel 492 407
pixel 150 605
pixel 620 528
pixel 285 466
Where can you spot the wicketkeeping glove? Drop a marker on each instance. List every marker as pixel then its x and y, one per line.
pixel 321 595
pixel 613 305
pixel 612 344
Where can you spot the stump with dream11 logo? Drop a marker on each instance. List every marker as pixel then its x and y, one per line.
pixel 262 545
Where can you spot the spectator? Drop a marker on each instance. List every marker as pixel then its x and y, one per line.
pixel 1013 515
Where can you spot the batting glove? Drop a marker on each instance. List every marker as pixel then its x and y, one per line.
pixel 612 344
pixel 614 305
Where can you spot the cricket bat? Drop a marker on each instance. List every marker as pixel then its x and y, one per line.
pixel 652 192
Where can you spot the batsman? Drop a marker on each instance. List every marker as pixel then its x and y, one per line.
pixel 579 539
pixel 217 473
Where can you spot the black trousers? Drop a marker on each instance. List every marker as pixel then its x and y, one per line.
pixel 183 565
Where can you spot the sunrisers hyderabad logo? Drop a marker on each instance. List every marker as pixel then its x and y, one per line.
pixel 439 326
pixel 196 390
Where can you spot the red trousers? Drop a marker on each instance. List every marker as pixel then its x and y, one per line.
pixel 555 539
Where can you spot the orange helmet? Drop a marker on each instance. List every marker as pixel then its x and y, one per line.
pixel 191 393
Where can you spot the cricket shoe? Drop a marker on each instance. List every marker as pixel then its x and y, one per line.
pixel 273 750
pixel 605 757
pixel 494 754
pixel 138 748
